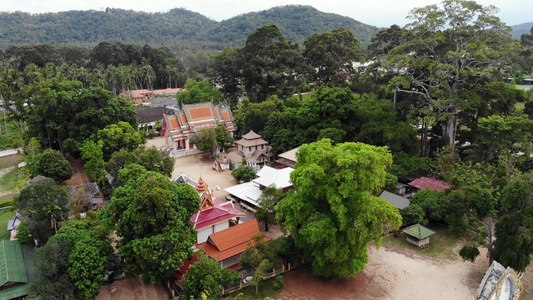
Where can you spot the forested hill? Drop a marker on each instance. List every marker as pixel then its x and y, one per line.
pixel 296 22
pixel 520 29
pixel 178 28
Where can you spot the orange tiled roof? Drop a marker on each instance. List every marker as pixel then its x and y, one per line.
pixel 225 115
pixel 202 112
pixel 174 123
pixel 231 241
pixel 218 114
pixel 183 119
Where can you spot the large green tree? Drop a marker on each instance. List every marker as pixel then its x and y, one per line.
pixel 54 165
pixel 119 136
pixel 333 213
pixel 331 55
pixel 453 48
pixel 152 217
pixel 198 92
pixel 43 205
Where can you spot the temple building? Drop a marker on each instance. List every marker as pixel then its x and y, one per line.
pixel 251 148
pixel 192 118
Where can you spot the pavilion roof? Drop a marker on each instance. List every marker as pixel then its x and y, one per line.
pixel 418 231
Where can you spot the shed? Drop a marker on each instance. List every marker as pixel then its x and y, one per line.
pixel 398 201
pixel 418 235
pixel 13 277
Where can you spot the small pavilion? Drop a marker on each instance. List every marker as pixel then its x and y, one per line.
pixel 418 235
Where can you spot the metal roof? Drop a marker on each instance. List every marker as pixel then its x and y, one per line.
pixel 398 201
pixel 12 268
pixel 418 231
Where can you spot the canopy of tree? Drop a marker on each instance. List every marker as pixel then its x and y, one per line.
pixel 332 214
pixel 152 217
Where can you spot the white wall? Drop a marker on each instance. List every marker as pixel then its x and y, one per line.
pixel 203 234
pixel 221 226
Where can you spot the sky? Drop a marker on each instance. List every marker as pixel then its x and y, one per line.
pixel 381 13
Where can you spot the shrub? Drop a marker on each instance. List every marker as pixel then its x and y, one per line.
pixel 278 285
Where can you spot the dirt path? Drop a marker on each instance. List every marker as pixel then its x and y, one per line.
pixel 391 275
pixel 78 176
pixel 132 288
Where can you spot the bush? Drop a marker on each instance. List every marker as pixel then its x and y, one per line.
pixel 469 252
pixel 278 285
pixel 6 203
pixel 23 236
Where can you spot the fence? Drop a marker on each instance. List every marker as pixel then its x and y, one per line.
pixel 10 152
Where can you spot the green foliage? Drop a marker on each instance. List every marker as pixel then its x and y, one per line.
pixel 266 210
pixel 261 271
pixel 152 217
pixel 255 253
pixel 204 140
pixel 469 252
pixel 329 53
pixel 74 260
pixel 391 183
pixel 514 242
pixel 198 92
pixel 332 215
pixel 64 115
pixel 206 277
pixel 6 203
pixel 54 165
pixel 431 204
pixel 93 156
pixel 119 136
pixel 405 164
pixel 43 204
pixel 243 173
pixel 223 137
pixel 278 285
pixel 413 214
pixel 23 235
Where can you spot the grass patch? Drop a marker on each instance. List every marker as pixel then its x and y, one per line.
pixel 16 135
pixel 442 244
pixel 5 215
pixel 10 161
pixel 8 182
pixel 266 289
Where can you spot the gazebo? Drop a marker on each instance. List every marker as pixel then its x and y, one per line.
pixel 418 235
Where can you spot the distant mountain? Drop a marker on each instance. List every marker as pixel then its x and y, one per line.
pixel 296 22
pixel 178 28
pixel 520 29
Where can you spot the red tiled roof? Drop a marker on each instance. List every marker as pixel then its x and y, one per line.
pixel 202 112
pixel 431 183
pixel 178 274
pixel 214 215
pixel 225 115
pixel 174 123
pixel 218 114
pixel 203 123
pixel 232 241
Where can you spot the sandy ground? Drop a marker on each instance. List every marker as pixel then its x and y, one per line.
pixel 132 288
pixel 390 275
pixel 196 165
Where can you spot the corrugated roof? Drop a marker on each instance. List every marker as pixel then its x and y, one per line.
pixel 289 155
pixel 431 183
pixel 398 201
pixel 418 231
pixel 14 292
pixel 12 268
pixel 280 178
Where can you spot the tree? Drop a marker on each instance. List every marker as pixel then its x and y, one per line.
pixel 54 165
pixel 226 72
pixel 73 262
pixel 332 214
pixel 387 39
pixel 43 203
pixel 119 136
pixel 63 115
pixel 206 277
pixel 266 210
pixel 223 137
pixel 198 92
pixel 260 272
pixel 93 156
pixel 469 252
pixel 204 140
pixel 330 53
pixel 152 217
pixel 514 241
pixel 269 63
pixel 452 49
pixel 255 253
pixel 243 173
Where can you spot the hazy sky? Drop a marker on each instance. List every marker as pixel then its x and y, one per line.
pixel 382 13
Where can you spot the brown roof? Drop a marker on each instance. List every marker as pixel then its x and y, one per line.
pixel 232 241
pixel 183 119
pixel 152 114
pixel 236 156
pixel 249 143
pixel 251 135
pixel 202 112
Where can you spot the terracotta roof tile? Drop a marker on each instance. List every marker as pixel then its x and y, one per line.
pixel 218 114
pixel 225 115
pixel 431 183
pixel 174 123
pixel 183 118
pixel 202 112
